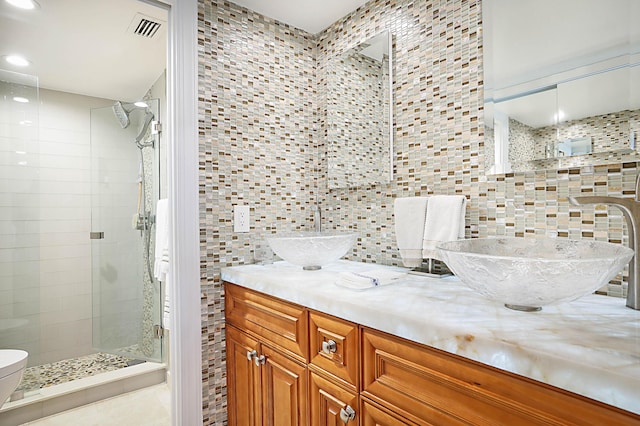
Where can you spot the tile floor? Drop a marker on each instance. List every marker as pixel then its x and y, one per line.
pixel 145 407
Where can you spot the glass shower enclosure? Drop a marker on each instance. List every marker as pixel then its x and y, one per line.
pixel 65 192
pixel 21 205
pixel 126 299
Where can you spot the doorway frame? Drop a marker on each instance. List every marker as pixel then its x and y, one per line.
pixel 182 169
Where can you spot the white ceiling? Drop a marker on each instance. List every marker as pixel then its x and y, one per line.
pixel 310 15
pixel 84 46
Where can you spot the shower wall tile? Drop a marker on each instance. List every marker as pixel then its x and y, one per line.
pixel 262 123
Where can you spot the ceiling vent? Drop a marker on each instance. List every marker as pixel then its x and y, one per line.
pixel 145 26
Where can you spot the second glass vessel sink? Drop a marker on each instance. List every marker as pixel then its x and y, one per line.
pixel 528 273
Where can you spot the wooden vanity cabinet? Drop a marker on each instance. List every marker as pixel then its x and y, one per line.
pixel 375 415
pixel 243 379
pixel 429 386
pixel 289 365
pixel 330 403
pixel 265 386
pixel 334 370
pixel 267 350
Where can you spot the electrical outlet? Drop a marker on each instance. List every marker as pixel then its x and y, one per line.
pixel 241 218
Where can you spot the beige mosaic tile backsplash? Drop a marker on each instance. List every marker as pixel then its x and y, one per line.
pixel 262 87
pixel 257 147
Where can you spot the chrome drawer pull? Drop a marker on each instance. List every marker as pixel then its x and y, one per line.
pixel 347 414
pixel 329 347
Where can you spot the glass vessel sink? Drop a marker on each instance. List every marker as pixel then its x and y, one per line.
pixel 526 273
pixel 311 250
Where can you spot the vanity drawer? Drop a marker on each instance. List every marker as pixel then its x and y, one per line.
pixel 374 415
pixel 334 347
pixel 281 323
pixel 427 385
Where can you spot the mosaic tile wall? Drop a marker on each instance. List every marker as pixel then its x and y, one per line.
pixel 439 141
pixel 262 120
pixel 257 147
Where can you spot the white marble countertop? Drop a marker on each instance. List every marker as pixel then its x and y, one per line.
pixel 590 346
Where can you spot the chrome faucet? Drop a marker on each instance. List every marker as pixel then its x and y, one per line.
pixel 631 210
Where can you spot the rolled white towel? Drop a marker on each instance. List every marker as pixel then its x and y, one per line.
pixel 368 279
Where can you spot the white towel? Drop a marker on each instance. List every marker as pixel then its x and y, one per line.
pixel 368 279
pixel 410 216
pixel 444 222
pixel 161 264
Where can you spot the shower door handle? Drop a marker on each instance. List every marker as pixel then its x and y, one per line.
pixel 96 235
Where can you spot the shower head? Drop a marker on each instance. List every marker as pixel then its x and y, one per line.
pixel 121 114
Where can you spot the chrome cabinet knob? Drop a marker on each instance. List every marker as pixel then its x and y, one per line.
pixel 347 414
pixel 329 347
pixel 260 360
pixel 251 354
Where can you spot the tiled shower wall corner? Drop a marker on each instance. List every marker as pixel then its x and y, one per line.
pixel 262 123
pixel 437 90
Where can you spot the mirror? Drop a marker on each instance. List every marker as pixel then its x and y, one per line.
pixel 562 83
pixel 359 115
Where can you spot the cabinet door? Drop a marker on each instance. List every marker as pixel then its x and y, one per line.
pixel 243 379
pixel 284 389
pixel 330 403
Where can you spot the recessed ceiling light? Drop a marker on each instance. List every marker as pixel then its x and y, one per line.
pixel 24 4
pixel 20 99
pixel 141 104
pixel 25 122
pixel 17 60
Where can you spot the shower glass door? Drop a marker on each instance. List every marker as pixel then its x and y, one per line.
pixel 21 216
pixel 126 298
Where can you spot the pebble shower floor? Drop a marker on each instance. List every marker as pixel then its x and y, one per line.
pixel 46 375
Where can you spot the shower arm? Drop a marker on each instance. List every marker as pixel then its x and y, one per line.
pixel 147 121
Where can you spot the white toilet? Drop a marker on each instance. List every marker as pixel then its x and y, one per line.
pixel 13 362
